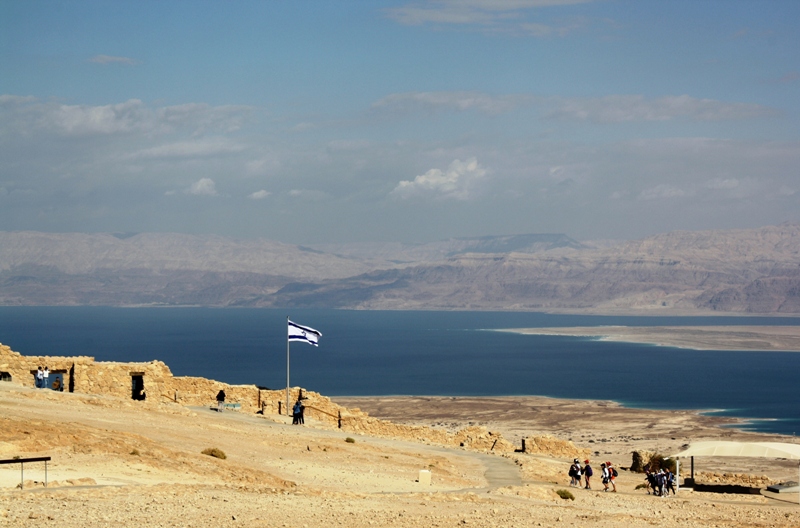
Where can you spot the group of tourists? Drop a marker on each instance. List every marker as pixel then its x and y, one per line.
pixel 660 482
pixel 42 378
pixel 608 475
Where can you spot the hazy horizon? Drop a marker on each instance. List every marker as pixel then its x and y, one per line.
pixel 399 121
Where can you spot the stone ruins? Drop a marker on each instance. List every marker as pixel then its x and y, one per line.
pixel 153 382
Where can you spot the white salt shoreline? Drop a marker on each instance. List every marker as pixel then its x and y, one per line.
pixel 731 338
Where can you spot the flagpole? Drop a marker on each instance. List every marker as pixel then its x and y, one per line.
pixel 287 366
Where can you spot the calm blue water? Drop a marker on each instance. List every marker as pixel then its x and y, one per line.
pixel 426 353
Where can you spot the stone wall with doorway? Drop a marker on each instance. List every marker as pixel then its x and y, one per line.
pixel 115 379
pixel 84 374
pixel 22 369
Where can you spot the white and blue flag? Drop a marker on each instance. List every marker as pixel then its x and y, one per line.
pixel 304 334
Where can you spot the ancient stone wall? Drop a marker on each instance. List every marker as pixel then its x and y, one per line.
pixel 22 369
pixel 115 379
pixel 201 392
pixel 84 374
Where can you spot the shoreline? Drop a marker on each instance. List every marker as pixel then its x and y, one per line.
pixel 608 429
pixel 722 338
pixel 728 422
pixel 739 424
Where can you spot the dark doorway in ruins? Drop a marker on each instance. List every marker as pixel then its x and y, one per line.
pixel 137 386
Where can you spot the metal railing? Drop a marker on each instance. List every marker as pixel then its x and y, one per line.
pixel 21 462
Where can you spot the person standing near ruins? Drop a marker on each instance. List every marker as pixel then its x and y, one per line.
pixel 39 378
pixel 296 410
pixel 46 377
pixel 221 400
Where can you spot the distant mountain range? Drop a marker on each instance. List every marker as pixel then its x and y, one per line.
pixel 733 271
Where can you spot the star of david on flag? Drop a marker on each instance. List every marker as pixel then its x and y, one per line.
pixel 304 334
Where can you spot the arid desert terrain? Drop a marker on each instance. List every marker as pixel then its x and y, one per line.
pixel 129 463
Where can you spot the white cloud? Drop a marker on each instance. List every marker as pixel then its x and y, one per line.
pixel 490 15
pixel 432 102
pixel 458 182
pixel 203 187
pixel 661 191
pixel 261 166
pixel 607 109
pixel 28 114
pixel 723 183
pixel 8 99
pixel 190 149
pixel 259 195
pixel 109 59
pixel 622 108
pixel 203 117
pixel 108 119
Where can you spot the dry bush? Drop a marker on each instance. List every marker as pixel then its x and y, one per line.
pixel 215 452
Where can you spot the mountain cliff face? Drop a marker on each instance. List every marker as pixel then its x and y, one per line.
pixel 735 271
pixel 748 271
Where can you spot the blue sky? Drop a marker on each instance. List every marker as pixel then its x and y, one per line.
pixel 399 121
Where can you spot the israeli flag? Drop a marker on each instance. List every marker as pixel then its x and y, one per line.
pixel 304 334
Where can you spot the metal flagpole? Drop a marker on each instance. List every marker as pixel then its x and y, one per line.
pixel 287 365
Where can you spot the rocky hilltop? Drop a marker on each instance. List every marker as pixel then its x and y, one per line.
pixel 731 271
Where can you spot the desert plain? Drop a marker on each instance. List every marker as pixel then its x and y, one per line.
pixel 120 462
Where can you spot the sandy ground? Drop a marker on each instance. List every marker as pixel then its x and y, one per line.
pixel 764 338
pixel 140 464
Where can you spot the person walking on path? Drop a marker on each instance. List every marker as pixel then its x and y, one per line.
pixel 670 482
pixel 575 473
pixel 612 476
pixel 587 473
pixel 605 476
pixel 221 400
pixel 39 378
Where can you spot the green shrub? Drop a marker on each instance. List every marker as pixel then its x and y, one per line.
pixel 565 494
pixel 350 440
pixel 214 452
pixel 640 486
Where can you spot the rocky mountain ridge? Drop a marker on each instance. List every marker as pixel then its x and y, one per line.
pixel 725 271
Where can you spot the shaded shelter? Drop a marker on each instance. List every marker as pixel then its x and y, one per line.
pixel 742 449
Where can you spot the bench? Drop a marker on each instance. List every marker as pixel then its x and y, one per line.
pixel 228 406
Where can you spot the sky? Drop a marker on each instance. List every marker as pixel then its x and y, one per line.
pixel 408 120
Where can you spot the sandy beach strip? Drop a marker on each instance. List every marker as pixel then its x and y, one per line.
pixel 752 338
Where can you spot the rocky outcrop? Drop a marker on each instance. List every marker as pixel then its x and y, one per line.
pixel 549 445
